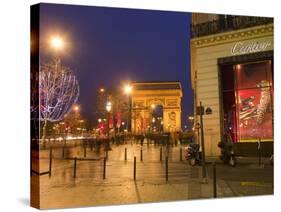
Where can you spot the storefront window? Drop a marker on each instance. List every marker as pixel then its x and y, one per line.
pixel 229 104
pixel 251 100
pixel 254 97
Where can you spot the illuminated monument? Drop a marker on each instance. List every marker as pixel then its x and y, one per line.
pixel 148 95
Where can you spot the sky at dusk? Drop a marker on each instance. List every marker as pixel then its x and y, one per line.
pixel 108 46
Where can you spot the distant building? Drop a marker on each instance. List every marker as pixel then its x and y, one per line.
pixel 232 73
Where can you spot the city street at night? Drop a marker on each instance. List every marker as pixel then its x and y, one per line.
pixel 135 106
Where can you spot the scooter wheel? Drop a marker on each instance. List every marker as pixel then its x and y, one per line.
pixel 232 162
pixel 192 161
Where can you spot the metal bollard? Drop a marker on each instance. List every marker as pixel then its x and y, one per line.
pixel 104 167
pixel 125 154
pixel 50 162
pixel 75 164
pixel 259 151
pixel 85 151
pixel 141 154
pixel 160 153
pixel 180 154
pixel 166 168
pixel 214 180
pixel 135 166
pixel 63 150
pixel 106 155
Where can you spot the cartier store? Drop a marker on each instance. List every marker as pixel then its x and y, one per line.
pixel 232 73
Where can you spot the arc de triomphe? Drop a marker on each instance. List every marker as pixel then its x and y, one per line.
pixel 146 94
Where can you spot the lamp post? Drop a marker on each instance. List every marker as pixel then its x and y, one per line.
pixel 201 111
pixel 81 126
pixel 57 44
pixel 128 90
pixel 191 119
pixel 108 108
pixel 76 109
pixel 153 124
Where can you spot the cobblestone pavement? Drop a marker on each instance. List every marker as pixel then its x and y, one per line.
pixel 184 182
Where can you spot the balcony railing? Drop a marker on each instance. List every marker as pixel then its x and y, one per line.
pixel 227 23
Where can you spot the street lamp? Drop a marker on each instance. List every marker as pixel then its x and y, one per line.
pixel 108 109
pixel 57 43
pixel 128 90
pixel 76 108
pixel 191 119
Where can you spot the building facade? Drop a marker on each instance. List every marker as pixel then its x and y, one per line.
pixel 232 73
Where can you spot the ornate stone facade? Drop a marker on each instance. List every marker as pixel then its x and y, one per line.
pixel 166 94
pixel 207 52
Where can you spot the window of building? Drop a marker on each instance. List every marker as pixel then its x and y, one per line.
pixel 247 94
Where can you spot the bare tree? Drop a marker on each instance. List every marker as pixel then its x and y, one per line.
pixel 58 91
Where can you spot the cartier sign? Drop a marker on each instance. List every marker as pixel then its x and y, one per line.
pixel 249 47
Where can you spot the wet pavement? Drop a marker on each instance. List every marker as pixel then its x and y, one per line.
pixel 89 187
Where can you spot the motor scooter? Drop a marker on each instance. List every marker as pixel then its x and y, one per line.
pixel 193 154
pixel 227 153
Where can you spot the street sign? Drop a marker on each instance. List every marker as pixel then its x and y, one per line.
pixel 208 111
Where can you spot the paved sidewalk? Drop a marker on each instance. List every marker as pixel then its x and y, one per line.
pixel 185 182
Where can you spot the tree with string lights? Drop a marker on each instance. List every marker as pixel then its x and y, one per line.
pixel 58 91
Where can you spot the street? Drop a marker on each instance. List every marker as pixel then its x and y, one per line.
pixel 152 184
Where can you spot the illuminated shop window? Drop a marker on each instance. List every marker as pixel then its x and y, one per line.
pixel 247 96
pixel 254 101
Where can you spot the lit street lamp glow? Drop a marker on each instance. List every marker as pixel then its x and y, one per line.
pixel 128 89
pixel 108 106
pixel 57 43
pixel 191 118
pixel 76 108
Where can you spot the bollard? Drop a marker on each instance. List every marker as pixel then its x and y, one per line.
pixel 259 151
pixel 85 151
pixel 125 154
pixel 214 180
pixel 106 155
pixel 63 151
pixel 166 168
pixel 135 166
pixel 75 164
pixel 104 167
pixel 50 162
pixel 180 154
pixel 141 154
pixel 160 153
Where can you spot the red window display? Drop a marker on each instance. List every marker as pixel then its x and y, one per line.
pixel 248 101
pixel 254 100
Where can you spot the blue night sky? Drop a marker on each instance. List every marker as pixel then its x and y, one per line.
pixel 108 46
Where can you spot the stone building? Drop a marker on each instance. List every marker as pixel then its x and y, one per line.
pixel 232 73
